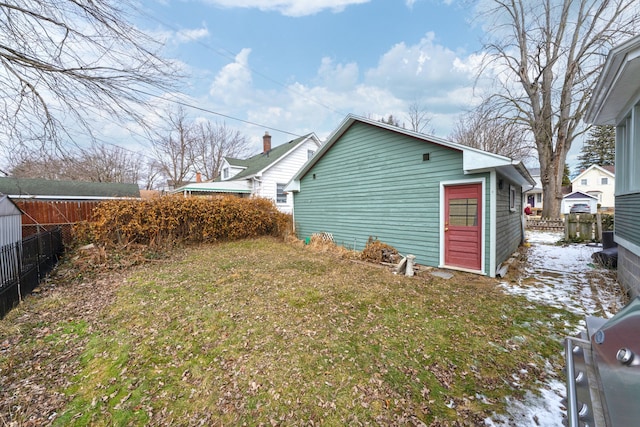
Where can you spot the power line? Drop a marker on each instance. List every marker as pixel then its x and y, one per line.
pixel 206 110
pixel 226 53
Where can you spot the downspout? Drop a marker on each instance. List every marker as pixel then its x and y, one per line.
pixel 493 212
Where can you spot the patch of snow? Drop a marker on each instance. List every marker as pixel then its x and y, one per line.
pixel 544 410
pixel 562 276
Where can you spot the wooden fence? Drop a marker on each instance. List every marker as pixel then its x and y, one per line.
pixel 545 224
pixel 586 227
pixel 43 215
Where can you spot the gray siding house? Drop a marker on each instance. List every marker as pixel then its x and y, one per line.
pixel 450 205
pixel 616 101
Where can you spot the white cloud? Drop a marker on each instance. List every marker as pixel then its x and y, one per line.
pixel 233 83
pixel 290 7
pixel 189 35
pixel 439 79
pixel 338 76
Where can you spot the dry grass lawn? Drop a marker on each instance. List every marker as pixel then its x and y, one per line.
pixel 261 332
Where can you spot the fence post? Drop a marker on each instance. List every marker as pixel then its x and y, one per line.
pixel 18 264
pixel 572 226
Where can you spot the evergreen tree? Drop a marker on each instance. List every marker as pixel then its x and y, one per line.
pixel 566 179
pixel 599 148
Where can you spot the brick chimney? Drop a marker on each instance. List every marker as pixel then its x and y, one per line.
pixel 198 177
pixel 266 142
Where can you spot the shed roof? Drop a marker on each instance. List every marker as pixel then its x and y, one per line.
pixel 474 160
pixel 45 188
pixel 7 207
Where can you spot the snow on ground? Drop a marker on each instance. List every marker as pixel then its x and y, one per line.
pixel 562 276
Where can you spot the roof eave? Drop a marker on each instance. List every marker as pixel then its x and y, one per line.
pixel 617 85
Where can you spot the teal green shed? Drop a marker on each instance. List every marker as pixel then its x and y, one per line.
pixel 450 205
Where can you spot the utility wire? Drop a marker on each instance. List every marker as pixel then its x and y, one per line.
pixel 206 110
pixel 226 53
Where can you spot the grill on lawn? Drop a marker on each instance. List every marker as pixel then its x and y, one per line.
pixel 603 371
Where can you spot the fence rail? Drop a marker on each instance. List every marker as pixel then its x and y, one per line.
pixel 23 264
pixel 547 224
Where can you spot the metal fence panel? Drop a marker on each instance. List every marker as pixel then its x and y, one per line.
pixel 24 264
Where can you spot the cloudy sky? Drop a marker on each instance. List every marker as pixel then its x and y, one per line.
pixel 298 66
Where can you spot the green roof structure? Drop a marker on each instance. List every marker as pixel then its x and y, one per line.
pixel 45 188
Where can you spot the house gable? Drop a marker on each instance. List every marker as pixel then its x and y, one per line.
pixel 274 178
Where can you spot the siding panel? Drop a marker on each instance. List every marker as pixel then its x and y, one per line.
pixel 509 222
pixel 373 182
pixel 627 225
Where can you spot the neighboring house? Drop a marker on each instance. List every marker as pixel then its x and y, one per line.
pixel 534 195
pixel 450 205
pixel 597 181
pixel 578 197
pixel 616 101
pixel 263 175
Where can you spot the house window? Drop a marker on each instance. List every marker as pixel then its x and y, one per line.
pixel 604 181
pixel 310 154
pixel 225 173
pixel 281 196
pixel 583 181
pixel 539 198
pixel 512 198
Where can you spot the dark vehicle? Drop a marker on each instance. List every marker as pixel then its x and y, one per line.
pixel 580 208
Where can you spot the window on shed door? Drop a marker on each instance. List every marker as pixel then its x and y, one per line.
pixel 281 196
pixel 463 212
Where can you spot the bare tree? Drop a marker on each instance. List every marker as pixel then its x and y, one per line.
pixel 173 152
pixel 211 143
pixel 107 163
pixel 419 118
pixel 65 62
pixel 547 55
pixel 151 175
pixel 483 128
pixel 98 163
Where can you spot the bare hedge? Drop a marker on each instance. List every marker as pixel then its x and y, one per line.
pixel 170 220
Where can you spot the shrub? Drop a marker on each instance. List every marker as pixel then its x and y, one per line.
pixel 170 220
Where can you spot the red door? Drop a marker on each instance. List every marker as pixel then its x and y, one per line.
pixel 462 226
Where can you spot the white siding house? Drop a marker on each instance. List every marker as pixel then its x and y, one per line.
pixel 263 175
pixel 597 181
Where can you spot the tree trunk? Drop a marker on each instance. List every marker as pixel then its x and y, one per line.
pixel 551 179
